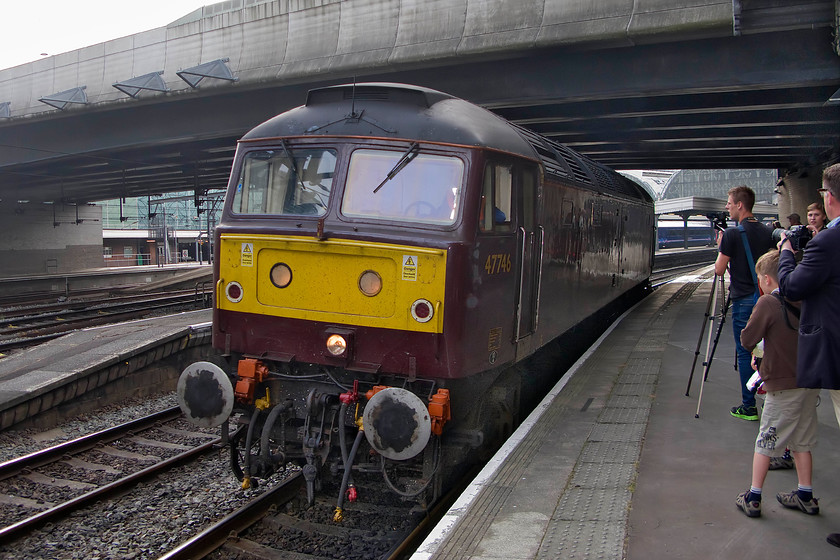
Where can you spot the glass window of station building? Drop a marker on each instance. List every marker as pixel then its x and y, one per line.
pixel 176 232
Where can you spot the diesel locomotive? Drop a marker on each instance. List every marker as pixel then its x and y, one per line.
pixel 387 257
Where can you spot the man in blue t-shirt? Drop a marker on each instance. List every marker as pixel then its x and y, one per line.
pixel 743 288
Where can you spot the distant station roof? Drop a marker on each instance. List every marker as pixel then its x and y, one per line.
pixel 700 206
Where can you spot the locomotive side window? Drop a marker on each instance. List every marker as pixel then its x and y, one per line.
pixel 496 198
pixel 426 189
pixel 285 182
pixel 529 200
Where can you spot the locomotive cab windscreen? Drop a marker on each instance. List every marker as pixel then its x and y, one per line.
pixel 386 184
pixel 282 182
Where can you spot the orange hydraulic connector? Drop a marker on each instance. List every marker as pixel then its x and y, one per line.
pixel 250 372
pixel 376 389
pixel 439 410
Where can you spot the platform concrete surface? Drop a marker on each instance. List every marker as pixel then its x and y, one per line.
pixel 613 463
pixel 61 370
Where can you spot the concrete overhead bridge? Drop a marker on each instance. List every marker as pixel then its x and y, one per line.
pixel 631 83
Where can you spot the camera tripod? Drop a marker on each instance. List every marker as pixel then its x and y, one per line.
pixel 708 320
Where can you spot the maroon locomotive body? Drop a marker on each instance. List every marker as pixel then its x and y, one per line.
pixel 387 257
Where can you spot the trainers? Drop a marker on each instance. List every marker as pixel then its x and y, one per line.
pixel 751 508
pixel 793 501
pixel 780 463
pixel 744 412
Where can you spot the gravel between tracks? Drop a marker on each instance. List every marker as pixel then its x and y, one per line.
pixel 146 522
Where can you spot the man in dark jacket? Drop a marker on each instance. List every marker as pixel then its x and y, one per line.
pixel 816 282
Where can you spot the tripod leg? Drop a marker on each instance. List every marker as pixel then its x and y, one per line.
pixel 706 363
pixel 700 397
pixel 710 305
pixel 711 356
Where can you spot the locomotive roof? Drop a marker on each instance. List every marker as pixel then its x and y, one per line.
pixel 417 113
pixel 398 111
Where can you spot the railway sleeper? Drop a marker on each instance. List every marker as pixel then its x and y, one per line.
pixel 250 549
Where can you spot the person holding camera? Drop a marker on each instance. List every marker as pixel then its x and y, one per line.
pixel 815 281
pixel 789 418
pixel 739 247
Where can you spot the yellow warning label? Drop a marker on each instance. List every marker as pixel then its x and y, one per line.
pixel 247 254
pixel 409 268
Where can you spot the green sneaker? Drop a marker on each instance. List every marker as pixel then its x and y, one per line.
pixel 744 412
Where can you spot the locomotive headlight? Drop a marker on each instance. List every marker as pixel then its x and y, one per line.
pixel 422 310
pixel 281 275
pixel 336 345
pixel 233 291
pixel 370 283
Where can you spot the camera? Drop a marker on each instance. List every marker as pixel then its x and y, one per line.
pixel 718 220
pixel 797 235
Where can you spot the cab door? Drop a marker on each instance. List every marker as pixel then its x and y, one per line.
pixel 530 240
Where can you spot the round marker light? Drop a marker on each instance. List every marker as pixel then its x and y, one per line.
pixel 422 311
pixel 281 275
pixel 336 345
pixel 370 283
pixel 233 291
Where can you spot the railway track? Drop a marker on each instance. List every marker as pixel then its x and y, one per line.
pixel 279 525
pixel 26 326
pixel 664 275
pixel 50 484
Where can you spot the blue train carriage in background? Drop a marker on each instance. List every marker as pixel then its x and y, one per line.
pixel 673 233
pixel 387 257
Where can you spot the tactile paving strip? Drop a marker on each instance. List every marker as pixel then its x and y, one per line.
pixel 617 432
pixel 591 516
pixel 610 452
pixel 592 504
pixel 635 389
pixel 616 415
pixel 582 540
pixel 603 475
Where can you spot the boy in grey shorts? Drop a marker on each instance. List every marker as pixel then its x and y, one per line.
pixel 789 418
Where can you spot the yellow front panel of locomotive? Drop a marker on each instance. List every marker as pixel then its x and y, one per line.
pixel 325 276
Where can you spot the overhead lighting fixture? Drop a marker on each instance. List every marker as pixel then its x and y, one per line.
pixel 834 99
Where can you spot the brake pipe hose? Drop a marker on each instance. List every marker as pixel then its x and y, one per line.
pixel 348 466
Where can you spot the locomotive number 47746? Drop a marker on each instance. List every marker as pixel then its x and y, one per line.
pixel 496 264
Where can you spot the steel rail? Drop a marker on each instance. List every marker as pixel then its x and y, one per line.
pixel 73 316
pixel 89 441
pixel 10 315
pixel 16 530
pixel 215 536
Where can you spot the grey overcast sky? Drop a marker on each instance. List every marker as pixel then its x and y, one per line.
pixel 31 28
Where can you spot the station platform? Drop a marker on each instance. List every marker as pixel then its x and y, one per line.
pixel 613 463
pixel 56 374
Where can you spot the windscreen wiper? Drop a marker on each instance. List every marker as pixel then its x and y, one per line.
pixel 292 163
pixel 406 158
pixel 293 167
